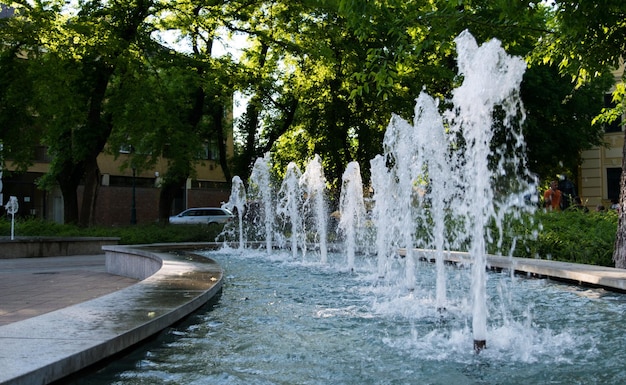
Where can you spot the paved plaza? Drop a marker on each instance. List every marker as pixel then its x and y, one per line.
pixel 33 286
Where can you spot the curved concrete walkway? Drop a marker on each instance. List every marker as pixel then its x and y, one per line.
pixel 48 347
pixel 169 286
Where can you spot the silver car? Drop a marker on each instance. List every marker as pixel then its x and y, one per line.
pixel 202 216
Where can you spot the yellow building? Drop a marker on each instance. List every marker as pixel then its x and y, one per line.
pixel 600 172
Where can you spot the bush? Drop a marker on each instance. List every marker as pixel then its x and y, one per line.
pixel 562 236
pixel 572 236
pixel 129 235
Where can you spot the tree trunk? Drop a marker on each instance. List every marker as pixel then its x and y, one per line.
pixel 166 197
pixel 68 181
pixel 619 251
pixel 70 203
pixel 90 194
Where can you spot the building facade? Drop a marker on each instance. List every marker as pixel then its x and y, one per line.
pixel 119 189
pixel 600 172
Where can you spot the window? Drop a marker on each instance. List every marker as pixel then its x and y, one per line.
pixel 613 175
pixel 210 150
pixel 41 154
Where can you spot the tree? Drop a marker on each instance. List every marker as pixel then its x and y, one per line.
pixel 99 77
pixel 558 119
pixel 19 131
pixel 189 88
pixel 73 58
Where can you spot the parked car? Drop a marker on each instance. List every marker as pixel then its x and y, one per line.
pixel 203 216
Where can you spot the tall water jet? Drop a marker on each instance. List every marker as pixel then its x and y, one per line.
pixel 491 79
pixel 383 204
pixel 351 209
pixel 237 200
pixel 432 148
pixel 260 190
pixel 444 171
pixel 314 183
pixel 290 202
pixel 401 155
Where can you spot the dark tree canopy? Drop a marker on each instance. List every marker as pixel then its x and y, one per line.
pixel 319 76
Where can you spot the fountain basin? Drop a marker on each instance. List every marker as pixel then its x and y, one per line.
pixel 280 320
pixel 26 247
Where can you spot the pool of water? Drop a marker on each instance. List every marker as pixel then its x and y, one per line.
pixel 280 321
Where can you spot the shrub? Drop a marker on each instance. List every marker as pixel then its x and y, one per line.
pixel 572 236
pixel 562 236
pixel 129 235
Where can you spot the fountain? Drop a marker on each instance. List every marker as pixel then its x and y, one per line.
pixel 443 183
pixel 286 321
pixel 381 181
pixel 435 184
pixel 289 205
pixel 491 79
pixel 351 209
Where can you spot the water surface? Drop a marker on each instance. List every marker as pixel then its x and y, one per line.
pixel 280 321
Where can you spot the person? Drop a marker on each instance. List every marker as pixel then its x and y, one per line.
pixel 578 205
pixel 568 191
pixel 600 208
pixel 552 197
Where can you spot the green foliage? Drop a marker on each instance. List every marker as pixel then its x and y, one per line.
pixel 129 235
pixel 322 76
pixel 558 121
pixel 571 236
pixel 561 236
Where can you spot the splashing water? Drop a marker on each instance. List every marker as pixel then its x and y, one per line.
pixel 383 205
pixel 432 146
pixel 260 190
pixel 447 168
pixel 237 201
pixel 444 182
pixel 352 209
pixel 290 203
pixel 491 79
pixel 313 182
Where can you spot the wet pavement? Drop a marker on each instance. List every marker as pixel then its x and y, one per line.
pixel 33 286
